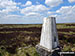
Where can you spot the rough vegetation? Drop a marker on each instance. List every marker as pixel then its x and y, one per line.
pixel 20 40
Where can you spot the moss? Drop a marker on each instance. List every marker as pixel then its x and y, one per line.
pixel 67 48
pixel 27 52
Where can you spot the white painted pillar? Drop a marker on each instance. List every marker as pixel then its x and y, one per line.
pixel 49 36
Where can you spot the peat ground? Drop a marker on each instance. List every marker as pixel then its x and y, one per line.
pixel 13 36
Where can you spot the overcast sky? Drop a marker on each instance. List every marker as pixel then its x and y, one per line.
pixel 33 11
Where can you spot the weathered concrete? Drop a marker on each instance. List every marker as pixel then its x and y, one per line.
pixel 49 36
pixel 49 43
pixel 45 52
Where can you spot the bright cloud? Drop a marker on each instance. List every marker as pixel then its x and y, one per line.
pixel 17 19
pixel 8 6
pixel 34 11
pixel 66 13
pixel 7 3
pixel 31 11
pixel 32 14
pixel 67 10
pixel 71 1
pixel 28 3
pixel 10 19
pixel 64 9
pixel 34 8
pixel 53 3
pixel 12 11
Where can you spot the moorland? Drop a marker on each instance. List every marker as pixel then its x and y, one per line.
pixel 21 39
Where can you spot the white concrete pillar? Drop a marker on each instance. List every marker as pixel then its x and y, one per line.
pixel 49 36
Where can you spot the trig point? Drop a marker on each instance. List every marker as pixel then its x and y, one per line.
pixel 49 44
